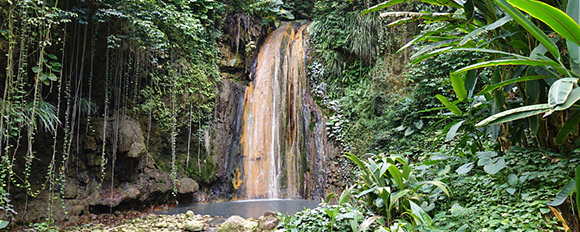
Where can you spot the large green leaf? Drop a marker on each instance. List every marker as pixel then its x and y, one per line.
pixel 397 175
pixel 573 10
pixel 499 62
pixel 394 199
pixel 559 21
pixel 458 83
pixel 495 166
pixel 453 131
pixel 571 124
pixel 464 168
pixel 452 49
pixel 514 114
pixel 425 36
pixel 390 3
pixel 438 184
pixel 489 88
pixel 485 29
pixel 572 98
pixel 530 27
pixel 469 9
pixel 450 106
pixel 560 90
pixel 562 194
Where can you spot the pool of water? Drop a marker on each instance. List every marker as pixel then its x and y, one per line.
pixel 246 208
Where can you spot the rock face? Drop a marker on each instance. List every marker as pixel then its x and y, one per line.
pixel 138 180
pixel 226 130
pixel 123 131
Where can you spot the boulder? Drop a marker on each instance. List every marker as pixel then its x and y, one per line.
pixel 187 185
pixel 194 225
pixel 238 224
pixel 268 222
pixel 129 135
pixel 131 138
pixel 114 197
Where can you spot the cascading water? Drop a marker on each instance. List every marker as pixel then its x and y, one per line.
pixel 283 134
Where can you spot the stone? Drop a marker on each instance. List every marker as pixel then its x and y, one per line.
pixel 161 224
pixel 187 185
pixel 189 214
pixel 237 224
pixel 268 222
pixel 194 225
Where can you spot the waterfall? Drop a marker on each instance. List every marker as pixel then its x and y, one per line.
pixel 283 134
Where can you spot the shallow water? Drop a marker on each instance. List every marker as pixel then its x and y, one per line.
pixel 246 208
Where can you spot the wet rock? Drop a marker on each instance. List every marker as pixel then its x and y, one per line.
pixel 268 222
pixel 187 185
pixel 231 59
pixel 225 133
pixel 194 225
pixel 237 224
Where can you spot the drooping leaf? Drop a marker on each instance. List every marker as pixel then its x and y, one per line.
pixel 560 90
pixel 530 27
pixel 469 9
pixel 563 194
pixel 437 184
pixel 569 125
pixel 450 106
pixel 532 90
pixel 559 21
pixel 514 114
pixel 470 81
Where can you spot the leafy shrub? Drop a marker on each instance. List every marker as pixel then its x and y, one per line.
pixel 387 187
pixel 324 218
pixel 512 199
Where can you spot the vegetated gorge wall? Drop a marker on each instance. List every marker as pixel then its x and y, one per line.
pixel 269 138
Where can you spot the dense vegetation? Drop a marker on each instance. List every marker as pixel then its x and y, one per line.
pixel 457 115
pixel 484 110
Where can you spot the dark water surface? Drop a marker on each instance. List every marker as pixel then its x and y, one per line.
pixel 246 208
